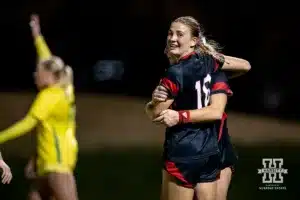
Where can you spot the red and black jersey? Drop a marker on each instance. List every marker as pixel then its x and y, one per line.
pixel 191 83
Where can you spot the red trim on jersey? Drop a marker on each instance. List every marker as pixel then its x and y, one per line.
pixel 184 116
pixel 222 86
pixel 217 65
pixel 218 62
pixel 224 117
pixel 170 86
pixel 174 171
pixel 187 56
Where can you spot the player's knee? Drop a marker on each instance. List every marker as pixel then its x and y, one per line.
pixel 207 191
pixel 221 197
pixel 221 192
pixel 223 184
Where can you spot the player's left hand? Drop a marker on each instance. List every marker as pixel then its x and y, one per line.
pixel 160 94
pixel 6 172
pixel 168 117
pixel 35 25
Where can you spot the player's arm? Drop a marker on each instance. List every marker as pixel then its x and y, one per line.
pixel 219 92
pixel 210 113
pixel 41 46
pixel 6 174
pixel 43 51
pixel 18 129
pixel 39 111
pixel 233 65
pixel 153 109
pixel 171 83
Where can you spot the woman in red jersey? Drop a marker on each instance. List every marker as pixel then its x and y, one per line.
pixel 171 118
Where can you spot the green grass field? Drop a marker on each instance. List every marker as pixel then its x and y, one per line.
pixel 135 174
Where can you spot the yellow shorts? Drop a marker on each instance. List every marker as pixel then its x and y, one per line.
pixel 48 167
pixel 53 168
pixel 61 159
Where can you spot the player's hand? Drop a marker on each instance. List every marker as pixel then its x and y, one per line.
pixel 35 25
pixel 160 94
pixel 6 173
pixel 168 117
pixel 30 170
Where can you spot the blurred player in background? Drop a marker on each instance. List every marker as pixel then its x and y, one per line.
pixel 236 67
pixel 6 174
pixel 53 116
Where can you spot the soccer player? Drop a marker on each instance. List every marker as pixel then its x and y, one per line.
pixel 228 159
pixel 228 155
pixel 191 151
pixel 232 66
pixel 53 114
pixel 236 67
pixel 6 173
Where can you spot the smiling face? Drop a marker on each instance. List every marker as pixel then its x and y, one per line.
pixel 180 41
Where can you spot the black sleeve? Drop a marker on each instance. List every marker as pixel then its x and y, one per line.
pixel 219 62
pixel 219 84
pixel 171 81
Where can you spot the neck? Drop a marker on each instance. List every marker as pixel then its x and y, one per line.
pixel 187 53
pixel 176 58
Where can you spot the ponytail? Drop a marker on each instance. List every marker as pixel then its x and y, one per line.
pixel 67 77
pixel 207 46
pixel 66 81
pixel 62 72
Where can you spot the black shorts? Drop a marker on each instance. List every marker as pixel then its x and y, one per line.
pixel 228 155
pixel 188 174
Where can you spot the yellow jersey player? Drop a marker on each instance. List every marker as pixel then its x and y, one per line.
pixel 53 116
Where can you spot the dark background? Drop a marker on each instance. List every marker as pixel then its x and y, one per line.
pixel 84 32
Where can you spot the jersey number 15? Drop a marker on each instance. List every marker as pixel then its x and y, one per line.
pixel 203 91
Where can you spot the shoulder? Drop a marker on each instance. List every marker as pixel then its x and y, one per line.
pixel 219 74
pixel 207 61
pixel 50 92
pixel 174 70
pixel 219 77
pixel 205 57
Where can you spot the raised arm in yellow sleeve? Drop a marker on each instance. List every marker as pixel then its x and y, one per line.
pixel 39 111
pixel 42 48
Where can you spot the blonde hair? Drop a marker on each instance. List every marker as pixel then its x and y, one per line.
pixel 62 72
pixel 203 45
